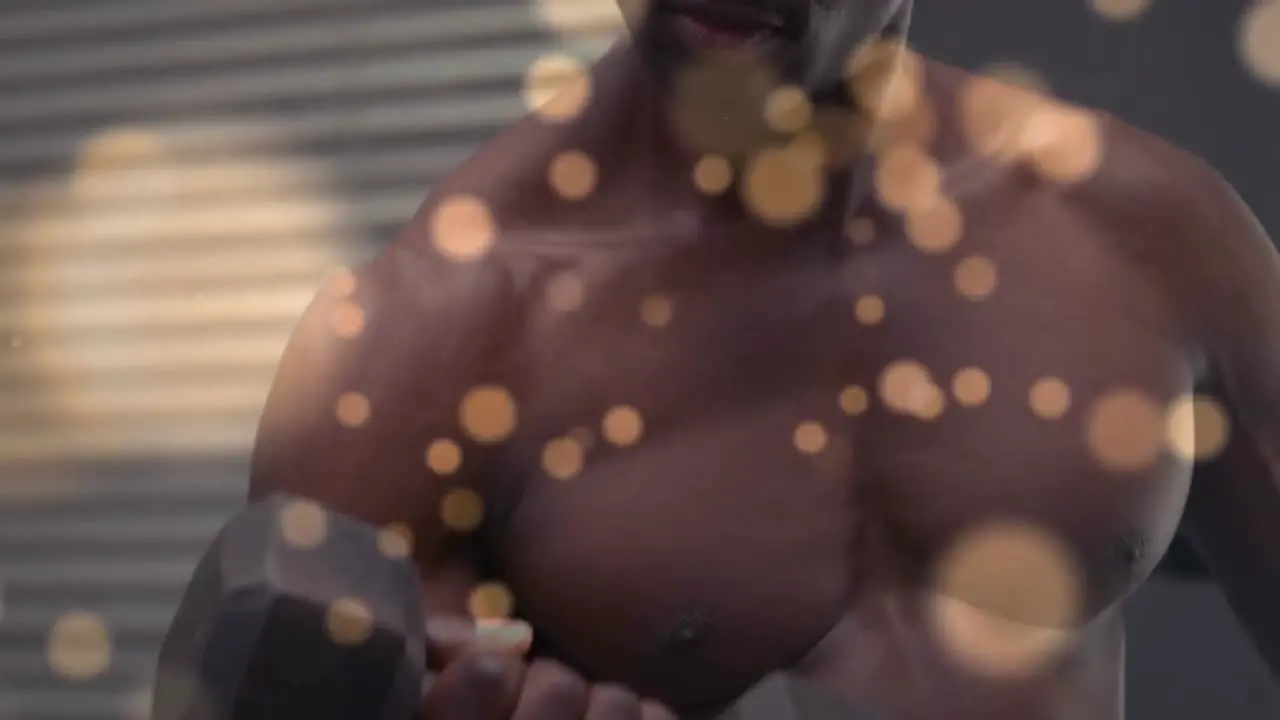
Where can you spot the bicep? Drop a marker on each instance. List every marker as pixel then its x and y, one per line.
pixel 1233 517
pixel 368 384
pixel 1233 512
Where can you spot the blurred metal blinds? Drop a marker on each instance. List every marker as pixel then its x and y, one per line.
pixel 176 178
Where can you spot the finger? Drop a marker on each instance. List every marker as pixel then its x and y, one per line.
pixel 514 636
pixel 476 686
pixel 551 692
pixel 612 702
pixel 654 710
pixel 450 637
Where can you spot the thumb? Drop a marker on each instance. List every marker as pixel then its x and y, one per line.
pixel 449 637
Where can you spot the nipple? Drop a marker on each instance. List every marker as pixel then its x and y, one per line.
pixel 687 631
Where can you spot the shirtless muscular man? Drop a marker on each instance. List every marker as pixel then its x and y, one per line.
pixel 770 344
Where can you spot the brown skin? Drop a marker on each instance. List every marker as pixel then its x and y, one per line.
pixel 712 552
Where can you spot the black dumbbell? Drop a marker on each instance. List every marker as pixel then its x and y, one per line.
pixel 295 612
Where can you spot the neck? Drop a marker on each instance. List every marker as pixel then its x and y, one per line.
pixel 629 125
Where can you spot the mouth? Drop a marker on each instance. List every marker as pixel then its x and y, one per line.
pixel 726 23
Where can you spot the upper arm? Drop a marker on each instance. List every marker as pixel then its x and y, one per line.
pixel 1227 275
pixel 373 375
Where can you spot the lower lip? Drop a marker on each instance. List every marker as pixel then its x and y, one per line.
pixel 700 34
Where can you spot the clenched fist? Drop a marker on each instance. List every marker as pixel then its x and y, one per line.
pixel 487 679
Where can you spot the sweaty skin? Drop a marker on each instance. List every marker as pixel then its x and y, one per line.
pixel 934 500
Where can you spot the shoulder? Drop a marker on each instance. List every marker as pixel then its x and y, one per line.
pixel 1153 182
pixel 1175 205
pixel 466 236
pixel 1155 207
pixel 1153 201
pixel 1184 225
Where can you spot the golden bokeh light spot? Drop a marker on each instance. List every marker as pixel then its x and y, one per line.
pixel 1065 144
pixel 975 277
pixel 352 409
pixel 462 510
pixel 491 600
pixel 656 311
pixel 622 426
pixel 887 80
pixel 79 646
pixel 1197 428
pixel 1008 597
pixel 1125 430
pixel 935 224
pixel 906 176
pixel 566 291
pixel 995 117
pixel 810 437
pixel 304 524
pixel 1260 41
pixel 562 458
pixel 1120 10
pixel 853 400
pixel 783 186
pixel 971 386
pixel 396 541
pixel 443 456
pixel 881 56
pixel 991 646
pixel 809 145
pixel 346 319
pixel 349 622
pixel 488 413
pixel 918 128
pixel 895 101
pixel 932 403
pixel 712 174
pixel 1050 398
pixel 861 231
pixel 885 77
pixel 718 100
pixel 787 109
pixel 869 309
pixel 341 285
pixel 573 174
pixel 557 88
pixel 906 388
pixel 462 228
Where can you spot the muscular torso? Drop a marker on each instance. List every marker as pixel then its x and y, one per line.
pixel 763 518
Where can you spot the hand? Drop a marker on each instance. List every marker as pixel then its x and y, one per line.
pixel 488 679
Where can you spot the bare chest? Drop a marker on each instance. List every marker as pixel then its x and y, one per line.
pixel 720 451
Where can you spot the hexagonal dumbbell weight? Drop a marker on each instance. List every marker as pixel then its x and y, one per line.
pixel 295 612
